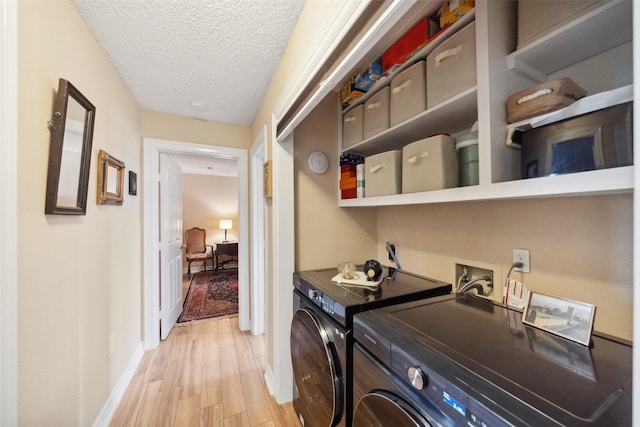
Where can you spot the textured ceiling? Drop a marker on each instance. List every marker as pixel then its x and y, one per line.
pixel 206 59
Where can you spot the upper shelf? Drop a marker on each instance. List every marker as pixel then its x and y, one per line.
pixel 599 30
pixel 421 54
pixel 452 116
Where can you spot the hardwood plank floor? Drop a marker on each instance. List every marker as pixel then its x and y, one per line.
pixel 207 373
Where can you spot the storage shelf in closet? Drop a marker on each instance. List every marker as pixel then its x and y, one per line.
pixel 599 30
pixel 604 181
pixel 452 116
pixel 420 55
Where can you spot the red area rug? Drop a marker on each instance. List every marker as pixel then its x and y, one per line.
pixel 211 294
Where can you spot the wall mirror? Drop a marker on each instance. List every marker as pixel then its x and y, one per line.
pixel 110 179
pixel 71 129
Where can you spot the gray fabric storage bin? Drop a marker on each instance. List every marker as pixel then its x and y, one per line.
pixel 376 113
pixel 382 173
pixel 451 67
pixel 407 97
pixel 429 164
pixel 352 127
pixel 540 17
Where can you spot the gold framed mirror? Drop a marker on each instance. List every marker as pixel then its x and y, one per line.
pixel 110 179
pixel 71 129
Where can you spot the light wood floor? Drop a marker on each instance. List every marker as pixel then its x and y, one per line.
pixel 207 373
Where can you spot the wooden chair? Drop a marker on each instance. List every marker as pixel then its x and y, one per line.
pixel 197 249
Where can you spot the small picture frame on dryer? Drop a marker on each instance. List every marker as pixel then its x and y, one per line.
pixel 563 317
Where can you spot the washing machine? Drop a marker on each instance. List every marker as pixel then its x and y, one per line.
pixel 322 336
pixel 461 360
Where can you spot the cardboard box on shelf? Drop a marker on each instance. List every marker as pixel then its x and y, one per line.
pixel 368 77
pixel 452 10
pixel 410 43
pixel 349 94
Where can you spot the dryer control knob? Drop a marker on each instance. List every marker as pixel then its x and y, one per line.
pixel 417 378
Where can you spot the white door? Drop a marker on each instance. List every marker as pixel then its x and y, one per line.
pixel 170 244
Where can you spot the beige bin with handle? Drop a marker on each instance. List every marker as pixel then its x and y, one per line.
pixel 383 173
pixel 429 164
pixel 451 67
pixel 353 127
pixel 376 113
pixel 408 96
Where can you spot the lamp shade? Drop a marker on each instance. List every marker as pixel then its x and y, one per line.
pixel 226 224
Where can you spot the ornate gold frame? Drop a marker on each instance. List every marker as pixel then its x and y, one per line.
pixel 110 180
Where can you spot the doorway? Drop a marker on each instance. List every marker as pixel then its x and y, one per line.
pixel 152 148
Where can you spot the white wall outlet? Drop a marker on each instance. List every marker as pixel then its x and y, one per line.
pixel 522 255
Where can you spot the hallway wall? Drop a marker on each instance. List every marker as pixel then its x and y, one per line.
pixel 78 276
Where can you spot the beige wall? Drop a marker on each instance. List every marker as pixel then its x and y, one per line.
pixel 581 247
pixel 207 199
pixel 309 25
pixel 79 276
pixel 326 234
pixel 184 129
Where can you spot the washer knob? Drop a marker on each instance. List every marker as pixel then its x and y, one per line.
pixel 313 294
pixel 417 378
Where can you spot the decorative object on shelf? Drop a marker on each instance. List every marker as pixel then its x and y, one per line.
pixel 71 129
pixel 133 183
pixel 110 179
pixel 543 98
pixel 563 317
pixel 267 182
pixel 226 224
pixel 372 269
pixel 318 162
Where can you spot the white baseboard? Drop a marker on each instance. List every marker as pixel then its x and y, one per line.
pixel 268 379
pixel 110 406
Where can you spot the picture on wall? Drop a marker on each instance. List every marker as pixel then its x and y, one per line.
pixel 133 183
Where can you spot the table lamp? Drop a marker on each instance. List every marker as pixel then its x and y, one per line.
pixel 225 224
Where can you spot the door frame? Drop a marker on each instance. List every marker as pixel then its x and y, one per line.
pixel 258 241
pixel 9 214
pixel 152 147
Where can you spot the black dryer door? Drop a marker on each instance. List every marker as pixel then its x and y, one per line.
pixel 383 409
pixel 315 369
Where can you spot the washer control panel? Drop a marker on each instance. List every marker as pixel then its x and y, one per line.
pixel 448 398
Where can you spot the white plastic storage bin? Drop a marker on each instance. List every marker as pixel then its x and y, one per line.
pixel 382 173
pixel 376 113
pixel 429 164
pixel 408 96
pixel 540 17
pixel 451 67
pixel 352 127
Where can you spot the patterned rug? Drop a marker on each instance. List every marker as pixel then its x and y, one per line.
pixel 211 294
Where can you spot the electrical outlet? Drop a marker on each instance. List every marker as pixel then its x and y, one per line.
pixel 522 255
pixel 393 248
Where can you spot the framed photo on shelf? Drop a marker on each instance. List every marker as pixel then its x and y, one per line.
pixel 563 317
